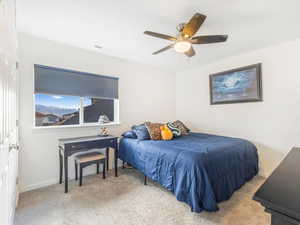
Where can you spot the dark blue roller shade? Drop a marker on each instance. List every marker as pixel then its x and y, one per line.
pixel 50 80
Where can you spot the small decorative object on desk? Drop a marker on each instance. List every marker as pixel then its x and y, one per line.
pixel 103 132
pixel 103 119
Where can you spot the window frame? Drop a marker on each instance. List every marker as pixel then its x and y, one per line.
pixel 81 116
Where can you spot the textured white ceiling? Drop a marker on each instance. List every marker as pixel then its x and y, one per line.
pixel 118 26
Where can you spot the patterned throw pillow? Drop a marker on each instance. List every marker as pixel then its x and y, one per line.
pixel 176 132
pixel 154 130
pixel 184 130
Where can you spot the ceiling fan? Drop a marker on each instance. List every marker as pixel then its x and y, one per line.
pixel 185 39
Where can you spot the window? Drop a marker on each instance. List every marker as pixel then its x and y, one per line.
pixel 95 107
pixel 54 110
pixel 62 98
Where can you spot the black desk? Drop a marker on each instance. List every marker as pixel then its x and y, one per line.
pixel 280 194
pixel 70 146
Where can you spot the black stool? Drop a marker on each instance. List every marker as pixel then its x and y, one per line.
pixel 87 159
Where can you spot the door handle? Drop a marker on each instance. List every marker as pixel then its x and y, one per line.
pixel 13 146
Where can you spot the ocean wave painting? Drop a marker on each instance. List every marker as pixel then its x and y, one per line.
pixel 239 85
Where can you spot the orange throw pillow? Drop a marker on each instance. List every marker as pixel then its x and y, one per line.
pixel 166 133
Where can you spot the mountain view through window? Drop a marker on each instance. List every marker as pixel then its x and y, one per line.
pixel 53 110
pixel 56 110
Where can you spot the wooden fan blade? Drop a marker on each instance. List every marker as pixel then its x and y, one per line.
pixel 208 39
pixel 193 25
pixel 163 49
pixel 191 52
pixel 158 35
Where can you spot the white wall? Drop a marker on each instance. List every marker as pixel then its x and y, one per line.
pixel 146 93
pixel 273 125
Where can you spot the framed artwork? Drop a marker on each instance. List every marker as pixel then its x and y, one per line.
pixel 243 84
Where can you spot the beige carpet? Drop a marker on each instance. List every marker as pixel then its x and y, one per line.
pixel 126 201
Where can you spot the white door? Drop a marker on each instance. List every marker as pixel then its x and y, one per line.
pixel 8 112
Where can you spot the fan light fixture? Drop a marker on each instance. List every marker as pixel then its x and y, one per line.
pixel 185 40
pixel 182 46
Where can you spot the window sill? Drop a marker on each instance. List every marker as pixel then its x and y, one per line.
pixel 79 125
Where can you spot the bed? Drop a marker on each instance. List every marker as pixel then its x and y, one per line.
pixel 200 169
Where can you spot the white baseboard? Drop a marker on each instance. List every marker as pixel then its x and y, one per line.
pixel 56 181
pixel 38 185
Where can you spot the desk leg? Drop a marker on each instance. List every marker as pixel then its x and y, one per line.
pixel 116 160
pixel 66 172
pixel 107 158
pixel 60 166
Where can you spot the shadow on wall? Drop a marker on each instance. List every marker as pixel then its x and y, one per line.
pixel 269 159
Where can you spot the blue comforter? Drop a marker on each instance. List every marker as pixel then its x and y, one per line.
pixel 200 169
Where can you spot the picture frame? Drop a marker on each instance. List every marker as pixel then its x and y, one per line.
pixel 239 85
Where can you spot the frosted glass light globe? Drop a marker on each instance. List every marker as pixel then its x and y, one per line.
pixel 182 46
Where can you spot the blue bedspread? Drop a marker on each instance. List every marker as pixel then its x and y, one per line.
pixel 200 169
